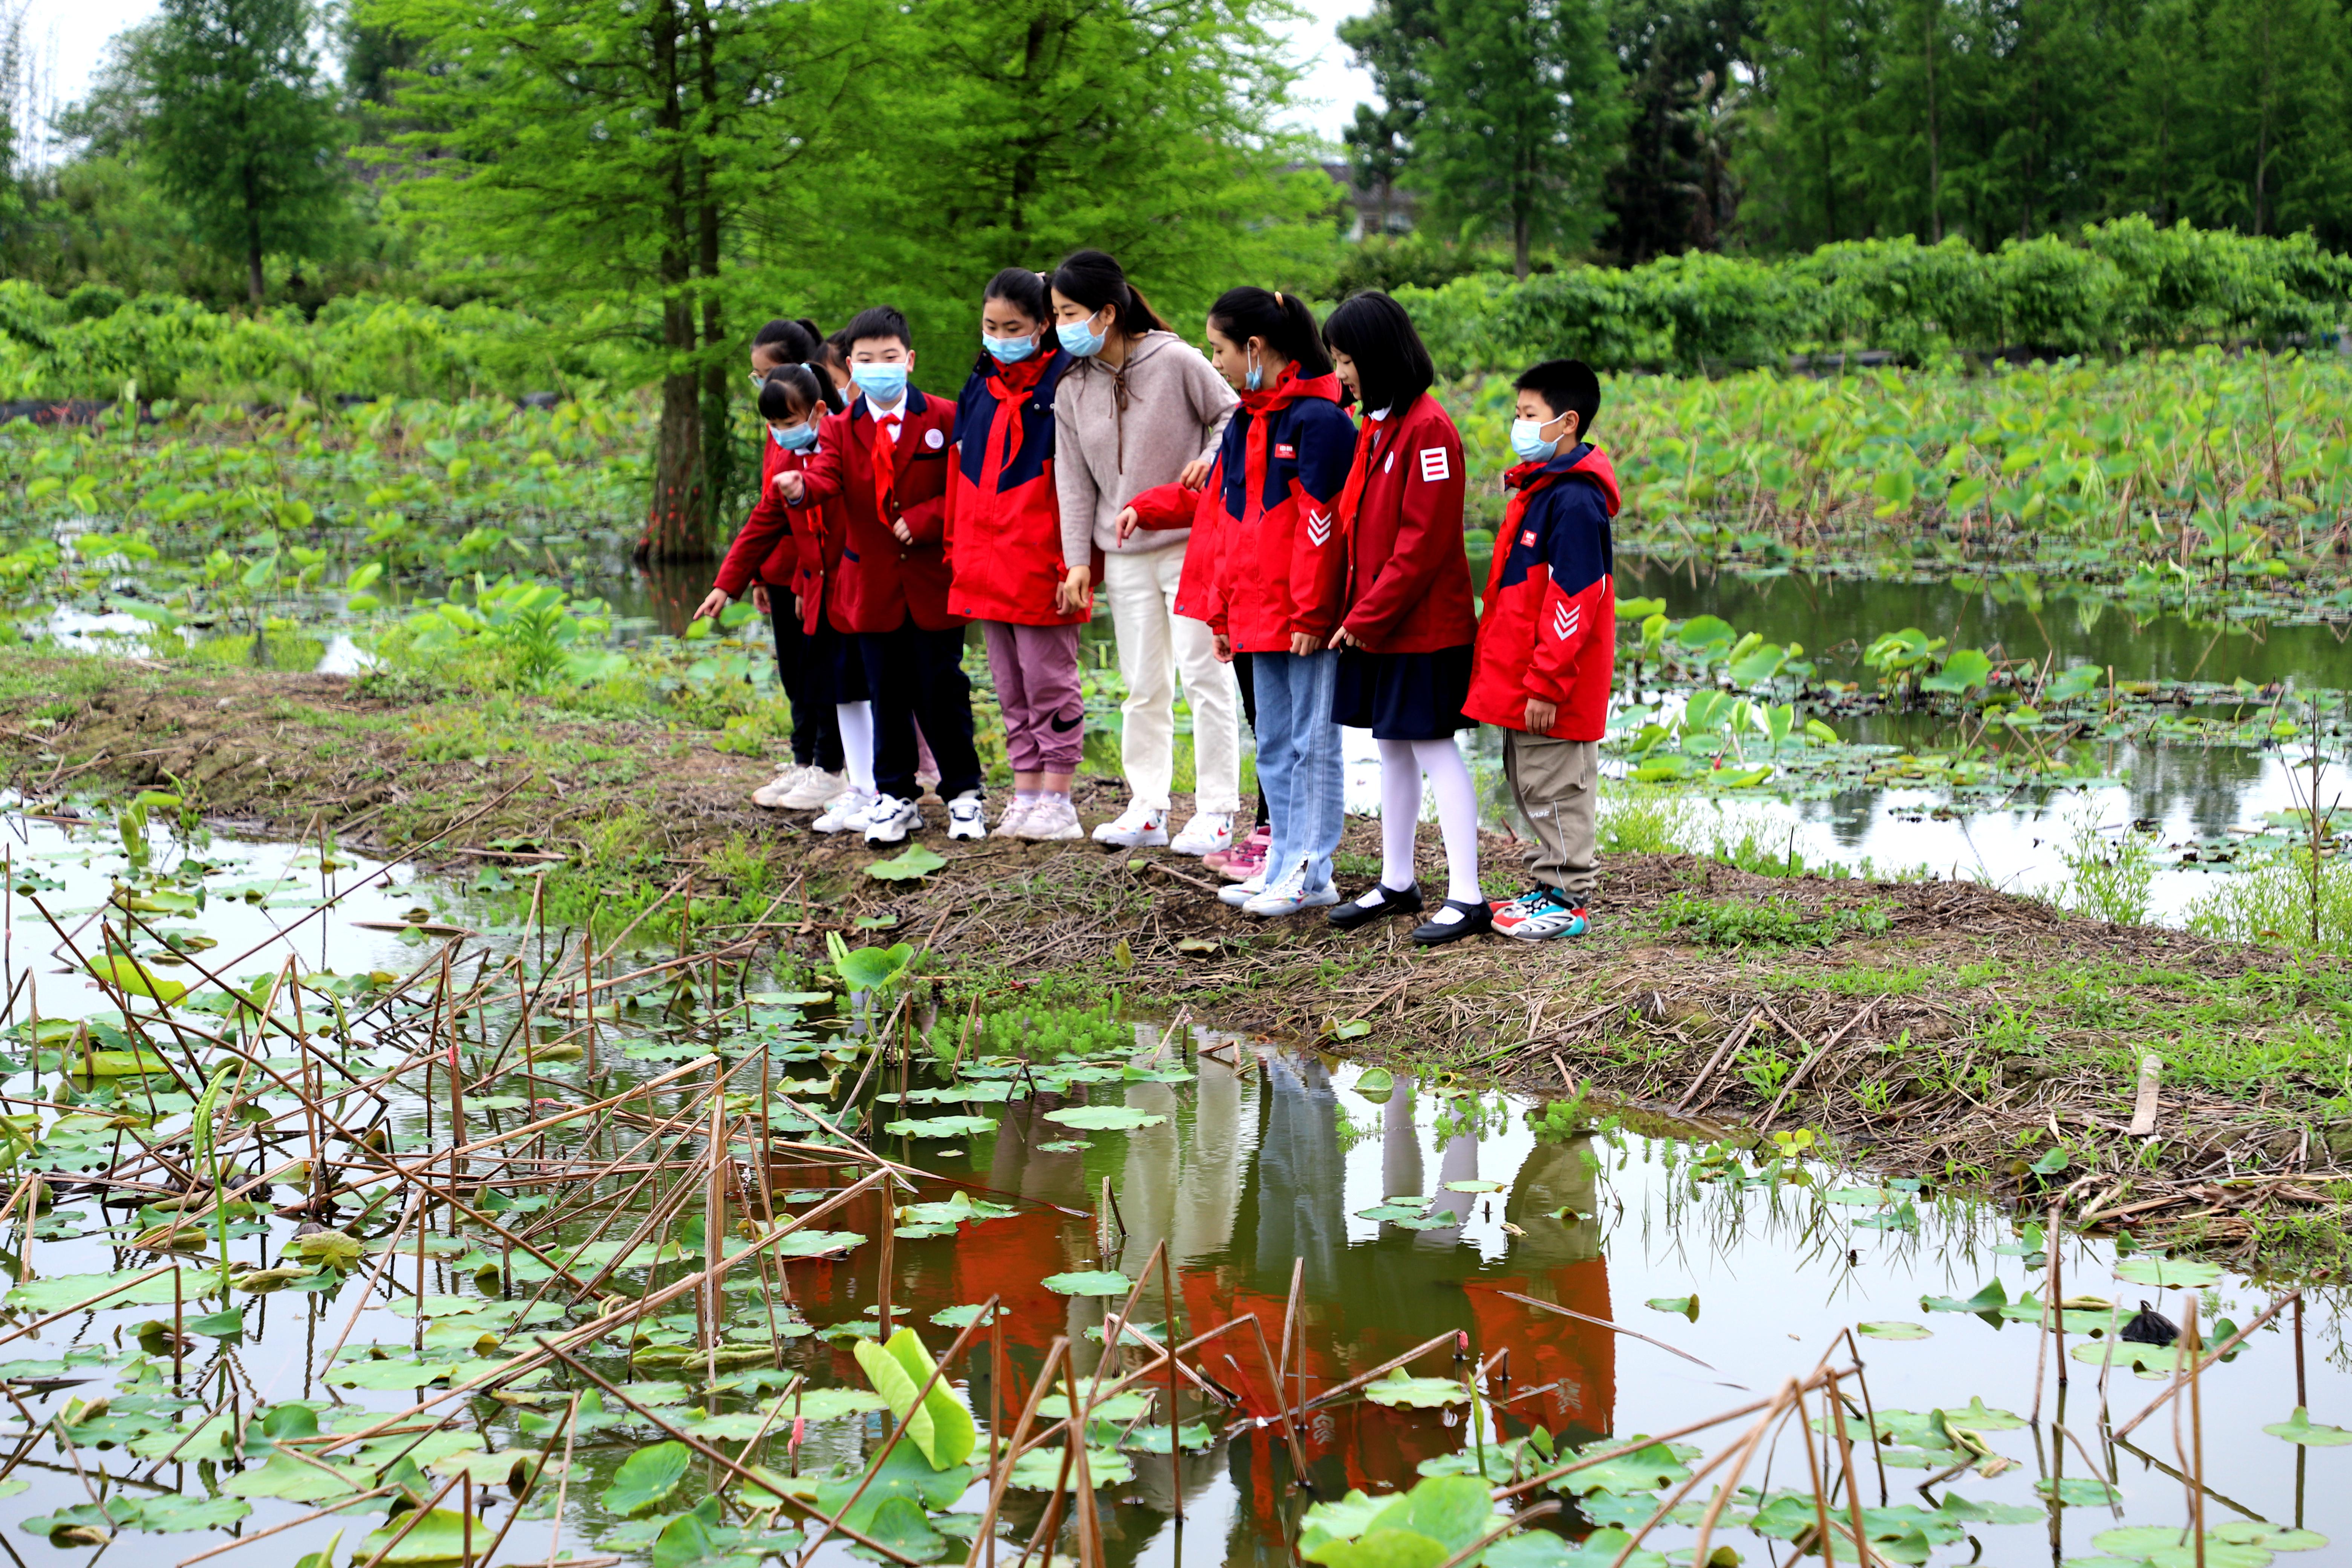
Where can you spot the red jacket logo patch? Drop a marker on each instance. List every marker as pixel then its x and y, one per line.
pixel 1284 449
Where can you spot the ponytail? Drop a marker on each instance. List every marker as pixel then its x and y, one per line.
pixel 1094 280
pixel 791 390
pixel 1281 319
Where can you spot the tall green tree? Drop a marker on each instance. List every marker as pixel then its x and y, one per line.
pixel 1148 128
pixel 1525 116
pixel 607 153
pixel 240 132
pixel 1682 61
pixel 1390 42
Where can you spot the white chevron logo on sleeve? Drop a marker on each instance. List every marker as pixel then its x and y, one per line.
pixel 1319 527
pixel 1564 620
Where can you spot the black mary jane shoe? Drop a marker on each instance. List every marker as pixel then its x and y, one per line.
pixel 1476 918
pixel 1348 916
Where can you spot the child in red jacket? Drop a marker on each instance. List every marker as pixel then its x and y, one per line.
pixel 1548 644
pixel 1406 633
pixel 887 458
pixel 810 663
pixel 1265 569
pixel 1004 549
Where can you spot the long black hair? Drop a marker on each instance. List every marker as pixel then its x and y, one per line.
pixel 1393 367
pixel 1281 319
pixel 791 390
pixel 1094 280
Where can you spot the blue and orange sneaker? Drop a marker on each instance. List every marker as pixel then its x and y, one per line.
pixel 1539 914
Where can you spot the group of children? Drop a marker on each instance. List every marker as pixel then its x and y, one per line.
pixel 1249 532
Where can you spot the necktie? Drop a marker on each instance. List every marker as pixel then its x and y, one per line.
pixel 886 451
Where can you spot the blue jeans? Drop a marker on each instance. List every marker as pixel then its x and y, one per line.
pixel 1298 761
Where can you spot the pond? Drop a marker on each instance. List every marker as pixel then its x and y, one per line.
pixel 905 1153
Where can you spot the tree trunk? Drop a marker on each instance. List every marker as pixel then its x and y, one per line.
pixel 1934 160
pixel 674 523
pixel 254 284
pixel 721 461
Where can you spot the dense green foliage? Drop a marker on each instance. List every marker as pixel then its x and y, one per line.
pixel 2121 286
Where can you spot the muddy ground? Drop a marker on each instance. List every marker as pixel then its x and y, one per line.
pixel 1939 1029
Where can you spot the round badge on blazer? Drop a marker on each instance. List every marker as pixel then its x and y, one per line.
pixel 934 440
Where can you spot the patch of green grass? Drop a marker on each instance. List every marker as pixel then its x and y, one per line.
pixel 1765 923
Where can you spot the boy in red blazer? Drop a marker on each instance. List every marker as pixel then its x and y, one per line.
pixel 886 457
pixel 1547 642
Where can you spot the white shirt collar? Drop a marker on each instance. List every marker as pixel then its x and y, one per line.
pixel 896 411
pixel 1378 414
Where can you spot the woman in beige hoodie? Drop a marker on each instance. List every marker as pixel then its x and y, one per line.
pixel 1141 408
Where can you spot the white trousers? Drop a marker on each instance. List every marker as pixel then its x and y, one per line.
pixel 1155 645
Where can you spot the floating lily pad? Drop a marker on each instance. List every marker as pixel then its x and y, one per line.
pixel 1893 1330
pixel 2272 1537
pixel 1414 1392
pixel 2298 1428
pixel 2078 1492
pixel 1040 1470
pixel 1473 1186
pixel 647 1477
pixel 1685 1306
pixel 1089 1282
pixel 1103 1118
pixel 2175 1273
pixel 941 1127
pixel 1990 1298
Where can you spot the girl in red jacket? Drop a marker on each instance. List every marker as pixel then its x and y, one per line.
pixel 781 566
pixel 1004 551
pixel 1263 569
pixel 1406 631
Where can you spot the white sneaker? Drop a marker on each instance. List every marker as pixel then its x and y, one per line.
pixel 1290 895
pixel 1208 832
pixel 889 819
pixel 769 796
pixel 1136 827
pixel 1051 819
pixel 814 790
pixel 1008 826
pixel 1240 893
pixel 847 813
pixel 964 819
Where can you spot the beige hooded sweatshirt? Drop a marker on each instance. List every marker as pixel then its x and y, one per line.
pixel 1119 431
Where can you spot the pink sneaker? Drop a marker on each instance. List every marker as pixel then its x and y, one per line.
pixel 1246 860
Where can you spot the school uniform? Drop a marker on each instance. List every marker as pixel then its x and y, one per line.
pixel 890 597
pixel 1407 596
pixel 1549 632
pixel 771 551
pixel 1264 563
pixel 1004 553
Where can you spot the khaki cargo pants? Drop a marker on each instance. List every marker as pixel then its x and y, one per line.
pixel 1556 786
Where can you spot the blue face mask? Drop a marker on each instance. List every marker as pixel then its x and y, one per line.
pixel 1527 441
pixel 1256 380
pixel 1008 350
pixel 794 438
pixel 1080 337
pixel 884 383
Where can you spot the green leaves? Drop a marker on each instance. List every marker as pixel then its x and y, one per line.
pixel 1644 1470
pixel 2298 1428
pixel 918 860
pixel 868 968
pixel 647 1477
pixel 2171 1273
pixel 1414 1392
pixel 940 1426
pixel 1104 1117
pixel 1989 1297
pixel 1089 1282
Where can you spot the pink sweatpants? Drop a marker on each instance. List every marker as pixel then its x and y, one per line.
pixel 1036 671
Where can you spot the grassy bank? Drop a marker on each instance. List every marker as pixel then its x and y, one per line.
pixel 1939 1029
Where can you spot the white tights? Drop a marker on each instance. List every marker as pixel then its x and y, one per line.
pixel 1402 763
pixel 857 742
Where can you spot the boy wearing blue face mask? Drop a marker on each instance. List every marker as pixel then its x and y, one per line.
pixel 1547 650
pixel 886 458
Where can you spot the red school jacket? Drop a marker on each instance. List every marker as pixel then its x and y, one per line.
pixel 1004 520
pixel 1550 625
pixel 1266 560
pixel 1408 570
pixel 881 581
pixel 784 552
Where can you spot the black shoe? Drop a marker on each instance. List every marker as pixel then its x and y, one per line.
pixel 1353 914
pixel 1476 918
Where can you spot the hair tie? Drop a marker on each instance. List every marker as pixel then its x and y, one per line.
pixel 1278 299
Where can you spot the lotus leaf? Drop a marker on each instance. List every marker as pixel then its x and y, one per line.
pixel 1415 1392
pixel 1103 1118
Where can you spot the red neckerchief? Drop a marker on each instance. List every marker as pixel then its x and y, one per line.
pixel 1011 386
pixel 1287 389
